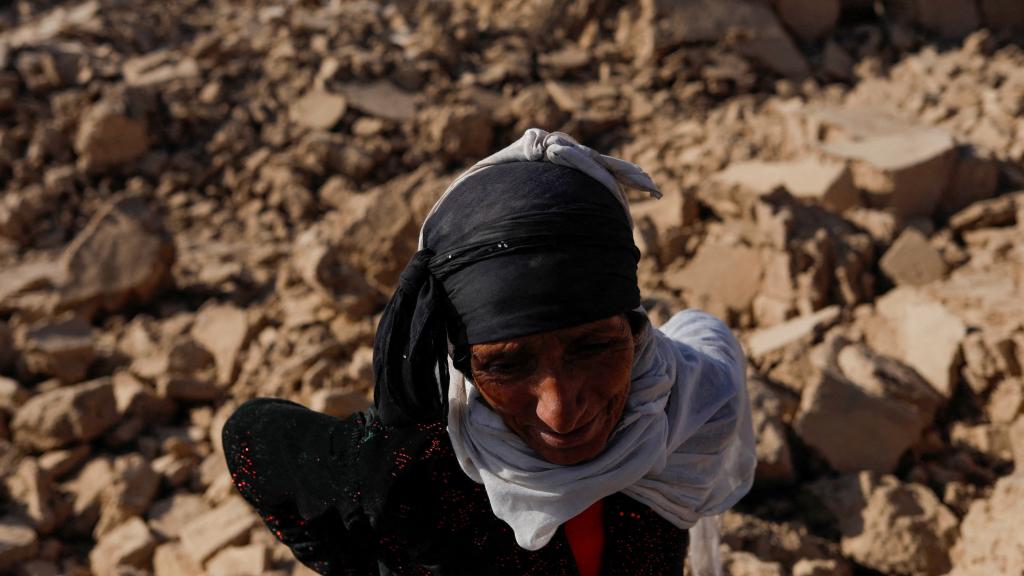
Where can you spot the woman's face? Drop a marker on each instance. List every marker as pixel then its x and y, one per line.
pixel 562 391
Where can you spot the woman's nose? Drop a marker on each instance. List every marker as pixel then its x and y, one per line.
pixel 560 403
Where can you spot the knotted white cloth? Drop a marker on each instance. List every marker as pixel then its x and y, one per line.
pixel 536 145
pixel 684 447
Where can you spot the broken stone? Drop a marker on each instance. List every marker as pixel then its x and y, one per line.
pixel 809 19
pixel 723 279
pixel 1016 434
pixel 129 545
pixel 18 543
pixel 130 494
pixel 999 211
pixel 248 560
pixel 746 564
pixel 32 489
pixel 59 463
pixel 226 525
pixel 12 395
pixel 168 517
pixel 991 541
pixel 86 489
pixel 889 526
pixel 61 349
pixel 64 416
pixel 920 332
pixel 318 109
pixel 321 265
pixel 160 67
pixel 223 329
pixel 912 260
pixel 829 184
pixel 382 99
pixel 136 399
pixel 774 458
pixel 767 340
pixel 863 410
pixel 460 132
pixel 905 172
pixel 1006 401
pixel 122 256
pixel 170 559
pixel 805 567
pixel 974 179
pixel 108 138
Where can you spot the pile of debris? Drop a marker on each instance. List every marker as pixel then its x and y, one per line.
pixel 202 202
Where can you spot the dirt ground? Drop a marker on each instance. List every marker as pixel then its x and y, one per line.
pixel 206 201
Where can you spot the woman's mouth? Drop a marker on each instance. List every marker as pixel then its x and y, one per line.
pixel 571 439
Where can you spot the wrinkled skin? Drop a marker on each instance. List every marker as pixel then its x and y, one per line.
pixel 561 391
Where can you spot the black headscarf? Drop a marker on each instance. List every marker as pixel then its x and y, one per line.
pixel 516 249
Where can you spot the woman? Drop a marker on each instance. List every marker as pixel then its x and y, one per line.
pixel 528 419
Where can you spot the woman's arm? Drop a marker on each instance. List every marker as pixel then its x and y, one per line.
pixel 296 468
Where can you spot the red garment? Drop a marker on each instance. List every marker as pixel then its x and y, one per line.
pixel 586 538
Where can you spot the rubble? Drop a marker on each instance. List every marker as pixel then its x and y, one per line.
pixel 203 203
pixel 912 260
pixel 122 257
pixel 129 545
pixel 64 350
pixel 64 416
pixel 862 410
pixel 890 526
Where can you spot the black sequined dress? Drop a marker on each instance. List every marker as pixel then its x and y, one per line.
pixel 351 496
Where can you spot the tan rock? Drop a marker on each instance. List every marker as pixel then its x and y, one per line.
pixel 746 564
pixel 774 457
pixel 991 541
pixel 12 395
pixel 108 138
pixel 248 560
pixel 806 567
pixel 809 19
pixel 159 67
pixel 32 489
pixel 998 211
pixel 1016 434
pixel 64 416
pixel 912 260
pixel 130 494
pixel 905 172
pixel 121 256
pixel 926 336
pixel 827 183
pixel 664 25
pixel 1006 401
pixel 62 349
pixel 382 99
pixel 862 411
pixel 974 179
pixel 86 489
pixel 321 265
pixel 168 517
pixel 18 543
pixel 223 329
pixel 767 340
pixel 318 109
pixel 889 526
pixel 136 399
pixel 227 524
pixel 460 133
pixel 129 545
pixel 724 279
pixel 59 463
pixel 989 439
pixel 170 559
